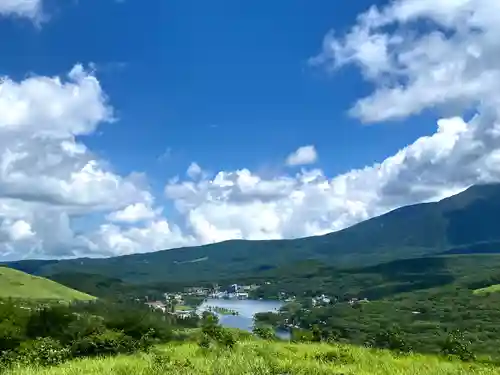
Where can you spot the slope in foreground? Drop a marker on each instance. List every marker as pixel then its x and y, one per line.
pixel 266 358
pixel 17 284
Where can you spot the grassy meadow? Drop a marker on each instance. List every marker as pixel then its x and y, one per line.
pixel 20 285
pixel 490 289
pixel 258 357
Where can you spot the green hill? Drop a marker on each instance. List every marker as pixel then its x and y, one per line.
pixel 464 223
pixel 17 284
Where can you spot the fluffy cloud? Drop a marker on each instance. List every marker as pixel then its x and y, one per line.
pixel 157 235
pixel 22 8
pixel 302 156
pixel 48 178
pixel 194 170
pixel 134 213
pixel 453 64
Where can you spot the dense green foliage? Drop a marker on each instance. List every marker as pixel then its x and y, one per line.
pixel 464 223
pixel 423 318
pixel 307 279
pixel 52 333
pixel 17 284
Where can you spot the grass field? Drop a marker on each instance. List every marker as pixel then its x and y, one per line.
pixel 261 358
pixel 489 289
pixel 17 284
pixel 183 308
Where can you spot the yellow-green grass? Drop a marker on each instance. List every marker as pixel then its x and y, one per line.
pixel 183 308
pixel 17 284
pixel 262 358
pixel 489 289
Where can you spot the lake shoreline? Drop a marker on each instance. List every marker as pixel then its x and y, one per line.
pixel 246 310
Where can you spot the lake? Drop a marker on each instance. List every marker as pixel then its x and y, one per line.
pixel 246 309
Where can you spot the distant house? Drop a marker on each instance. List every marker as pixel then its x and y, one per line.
pixel 157 305
pixel 183 314
pixel 242 295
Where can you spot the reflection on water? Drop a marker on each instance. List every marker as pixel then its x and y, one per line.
pixel 246 310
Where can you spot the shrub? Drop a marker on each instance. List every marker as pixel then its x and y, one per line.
pixel 49 322
pixel 301 335
pixel 205 341
pixel 43 351
pixel 391 339
pixel 264 332
pixel 105 343
pixel 11 336
pixel 212 332
pixel 455 344
pixel 227 338
pixel 136 322
pixel 340 356
pixel 316 333
pixel 84 325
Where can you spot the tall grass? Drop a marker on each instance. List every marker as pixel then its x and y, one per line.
pixel 252 357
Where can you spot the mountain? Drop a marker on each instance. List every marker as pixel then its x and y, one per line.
pixel 464 223
pixel 17 284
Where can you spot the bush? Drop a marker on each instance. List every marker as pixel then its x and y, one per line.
pixel 137 321
pixel 106 343
pixel 227 338
pixel 316 333
pixel 205 341
pixel 301 335
pixel 455 344
pixel 83 326
pixel 264 332
pixel 43 351
pixel 212 332
pixel 391 339
pixel 50 322
pixel 339 356
pixel 11 336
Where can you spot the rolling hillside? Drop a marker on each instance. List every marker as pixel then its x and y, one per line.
pixel 17 284
pixel 464 223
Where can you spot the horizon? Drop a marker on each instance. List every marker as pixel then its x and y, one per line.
pixel 237 239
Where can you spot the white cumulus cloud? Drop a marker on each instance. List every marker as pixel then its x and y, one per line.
pixel 49 178
pixel 22 8
pixel 302 156
pixel 194 170
pixel 134 213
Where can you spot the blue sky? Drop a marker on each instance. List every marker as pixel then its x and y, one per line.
pixel 225 84
pixel 229 85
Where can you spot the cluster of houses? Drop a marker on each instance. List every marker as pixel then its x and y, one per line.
pixel 171 300
pixel 234 291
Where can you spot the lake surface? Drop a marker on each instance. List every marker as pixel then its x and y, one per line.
pixel 246 309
